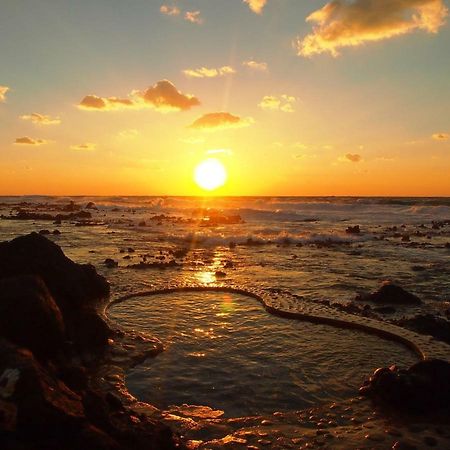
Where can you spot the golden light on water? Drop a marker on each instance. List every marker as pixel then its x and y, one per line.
pixel 210 174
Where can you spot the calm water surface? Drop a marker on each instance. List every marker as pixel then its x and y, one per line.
pixel 225 351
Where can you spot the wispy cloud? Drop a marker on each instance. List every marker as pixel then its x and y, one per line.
pixel 29 141
pixel 344 23
pixel 256 6
pixel 283 103
pixel 3 91
pixel 41 119
pixel 193 17
pixel 169 10
pixel 441 136
pixel 256 65
pixel 205 72
pixel 220 121
pixel 162 97
pixel 88 146
pixel 130 133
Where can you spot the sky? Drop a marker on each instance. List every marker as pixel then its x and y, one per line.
pixel 294 97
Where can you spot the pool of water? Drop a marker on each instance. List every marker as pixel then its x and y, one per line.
pixel 225 351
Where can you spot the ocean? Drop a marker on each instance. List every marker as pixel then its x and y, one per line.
pixel 315 249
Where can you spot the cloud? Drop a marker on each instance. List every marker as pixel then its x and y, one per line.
pixel 341 23
pixel 205 72
pixel 41 119
pixel 3 91
pixel 220 121
pixel 352 157
pixel 162 97
pixel 170 10
pixel 193 17
pixel 130 133
pixel 441 136
pixel 284 103
pixel 255 65
pixel 87 146
pixel 29 141
pixel 256 5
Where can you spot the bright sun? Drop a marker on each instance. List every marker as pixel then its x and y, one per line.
pixel 210 174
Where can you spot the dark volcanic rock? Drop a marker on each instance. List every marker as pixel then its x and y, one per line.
pixel 423 388
pixel 437 327
pixel 75 288
pixel 390 294
pixel 29 316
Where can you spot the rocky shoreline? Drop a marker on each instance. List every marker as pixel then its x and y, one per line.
pixel 62 369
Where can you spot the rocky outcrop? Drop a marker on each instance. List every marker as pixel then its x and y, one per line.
pixel 424 387
pixel 391 294
pixel 438 327
pixel 51 338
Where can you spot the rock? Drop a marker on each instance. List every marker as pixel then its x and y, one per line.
pixel 110 263
pixel 91 205
pixel 29 317
pixel 385 309
pixel 353 230
pixel 220 274
pixel 75 288
pixel 438 327
pixel 56 232
pixel 44 232
pixel 390 294
pixel 423 388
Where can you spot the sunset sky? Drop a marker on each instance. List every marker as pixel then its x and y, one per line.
pixel 295 97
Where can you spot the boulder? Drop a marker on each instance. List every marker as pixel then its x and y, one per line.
pixel 29 317
pixel 75 288
pixel 390 294
pixel 438 327
pixel 423 388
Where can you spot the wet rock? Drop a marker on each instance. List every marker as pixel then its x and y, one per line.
pixel 390 294
pixel 220 274
pixel 353 230
pixel 423 388
pixel 56 232
pixel 385 309
pixel 44 232
pixel 438 327
pixel 91 205
pixel 110 263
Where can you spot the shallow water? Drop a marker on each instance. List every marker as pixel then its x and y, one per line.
pixel 226 352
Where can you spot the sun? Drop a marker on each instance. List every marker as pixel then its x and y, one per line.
pixel 210 174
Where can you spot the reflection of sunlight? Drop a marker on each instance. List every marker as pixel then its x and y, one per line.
pixel 205 277
pixel 227 305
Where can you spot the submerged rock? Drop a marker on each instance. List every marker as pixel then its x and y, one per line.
pixel 437 327
pixel 390 294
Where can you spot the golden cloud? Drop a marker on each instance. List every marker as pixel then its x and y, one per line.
pixel 3 91
pixel 220 121
pixel 441 136
pixel 29 141
pixel 205 72
pixel 170 10
pixel 256 5
pixel 87 146
pixel 193 17
pixel 341 23
pixel 162 97
pixel 41 119
pixel 283 103
pixel 255 65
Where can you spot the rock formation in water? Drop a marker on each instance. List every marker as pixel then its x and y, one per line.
pixel 51 336
pixel 391 294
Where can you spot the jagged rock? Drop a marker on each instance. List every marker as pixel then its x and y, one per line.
pixel 110 263
pixel 437 327
pixel 29 316
pixel 390 294
pixel 75 288
pixel 353 230
pixel 91 205
pixel 424 387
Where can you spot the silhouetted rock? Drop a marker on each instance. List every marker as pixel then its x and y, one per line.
pixel 392 294
pixel 424 387
pixel 29 317
pixel 353 230
pixel 437 327
pixel 110 263
pixel 75 288
pixel 91 205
